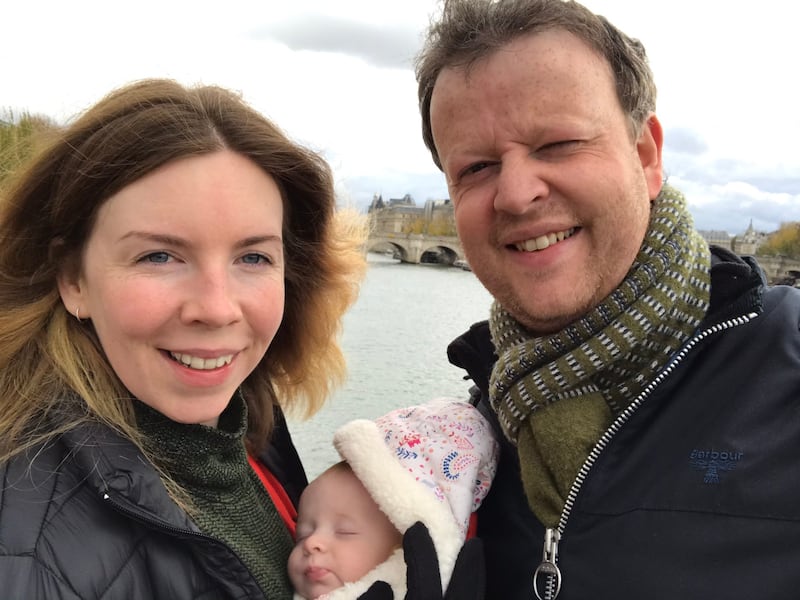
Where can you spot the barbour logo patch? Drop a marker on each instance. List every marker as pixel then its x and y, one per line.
pixel 713 463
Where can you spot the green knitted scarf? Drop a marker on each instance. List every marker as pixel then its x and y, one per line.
pixel 229 501
pixel 556 395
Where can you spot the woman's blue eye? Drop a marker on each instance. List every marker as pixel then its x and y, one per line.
pixel 254 259
pixel 156 257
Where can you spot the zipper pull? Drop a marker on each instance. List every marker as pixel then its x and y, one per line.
pixel 548 568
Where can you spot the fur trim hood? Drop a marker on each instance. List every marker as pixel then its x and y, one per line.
pixel 432 463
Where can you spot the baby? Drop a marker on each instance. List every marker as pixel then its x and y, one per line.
pixel 341 534
pixel 431 463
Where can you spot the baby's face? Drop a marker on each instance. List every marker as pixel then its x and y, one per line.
pixel 341 534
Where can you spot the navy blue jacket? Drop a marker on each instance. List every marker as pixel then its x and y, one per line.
pixel 695 491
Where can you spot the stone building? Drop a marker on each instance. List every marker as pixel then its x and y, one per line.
pixel 393 216
pixel 717 237
pixel 402 215
pixel 749 241
pixel 745 243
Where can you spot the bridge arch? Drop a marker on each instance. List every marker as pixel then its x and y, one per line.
pixel 410 247
pixel 398 250
pixel 441 254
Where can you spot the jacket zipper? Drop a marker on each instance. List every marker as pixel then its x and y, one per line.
pixel 149 521
pixel 163 526
pixel 548 572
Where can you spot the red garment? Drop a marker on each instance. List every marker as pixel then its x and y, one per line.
pixel 279 496
pixel 472 529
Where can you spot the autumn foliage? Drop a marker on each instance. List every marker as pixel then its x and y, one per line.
pixel 20 137
pixel 784 242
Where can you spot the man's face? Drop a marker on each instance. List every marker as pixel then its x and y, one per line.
pixel 551 192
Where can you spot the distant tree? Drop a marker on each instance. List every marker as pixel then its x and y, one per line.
pixel 416 226
pixel 441 226
pixel 20 137
pixel 784 242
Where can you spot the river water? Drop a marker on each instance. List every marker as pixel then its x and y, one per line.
pixel 395 340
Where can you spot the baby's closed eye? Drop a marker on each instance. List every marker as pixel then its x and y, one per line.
pixel 344 532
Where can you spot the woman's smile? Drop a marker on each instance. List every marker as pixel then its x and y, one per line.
pixel 201 364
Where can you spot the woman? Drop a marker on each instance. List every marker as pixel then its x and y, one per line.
pixel 172 275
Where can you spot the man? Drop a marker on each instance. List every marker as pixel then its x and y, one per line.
pixel 646 390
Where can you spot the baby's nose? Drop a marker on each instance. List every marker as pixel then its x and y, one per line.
pixel 315 542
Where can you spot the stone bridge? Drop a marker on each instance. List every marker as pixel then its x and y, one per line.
pixel 780 269
pixel 410 247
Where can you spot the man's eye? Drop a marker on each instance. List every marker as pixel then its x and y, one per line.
pixel 475 168
pixel 555 146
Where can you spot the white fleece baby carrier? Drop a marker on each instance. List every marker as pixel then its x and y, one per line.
pixel 432 463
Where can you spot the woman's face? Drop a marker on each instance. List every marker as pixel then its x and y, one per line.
pixel 182 278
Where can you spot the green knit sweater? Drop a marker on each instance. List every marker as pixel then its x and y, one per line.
pixel 229 501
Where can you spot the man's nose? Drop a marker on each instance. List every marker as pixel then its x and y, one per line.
pixel 520 183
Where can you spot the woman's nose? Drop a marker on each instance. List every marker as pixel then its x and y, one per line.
pixel 211 298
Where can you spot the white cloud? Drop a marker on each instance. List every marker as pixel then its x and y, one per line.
pixel 727 89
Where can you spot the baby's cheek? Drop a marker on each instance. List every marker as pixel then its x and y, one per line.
pixel 294 568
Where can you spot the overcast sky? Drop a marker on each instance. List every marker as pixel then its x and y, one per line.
pixel 337 76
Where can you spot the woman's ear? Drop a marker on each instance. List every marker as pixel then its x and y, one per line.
pixel 70 288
